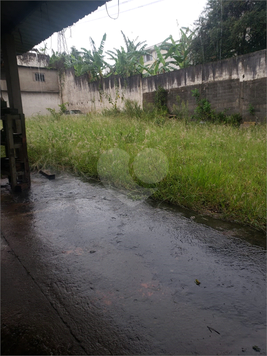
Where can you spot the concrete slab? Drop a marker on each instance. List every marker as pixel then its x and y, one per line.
pixel 85 273
pixel 30 324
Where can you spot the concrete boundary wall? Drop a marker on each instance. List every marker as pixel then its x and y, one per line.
pixel 232 85
pixel 82 95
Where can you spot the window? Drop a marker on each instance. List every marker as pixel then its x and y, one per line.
pixel 148 57
pixel 39 77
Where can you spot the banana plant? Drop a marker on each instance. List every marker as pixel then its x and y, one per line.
pixel 90 61
pixel 74 60
pixel 127 60
pixel 122 65
pixel 179 51
pixel 160 65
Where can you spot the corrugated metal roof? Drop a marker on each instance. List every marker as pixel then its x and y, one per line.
pixel 31 22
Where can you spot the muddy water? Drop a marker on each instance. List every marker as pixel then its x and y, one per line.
pixel 123 277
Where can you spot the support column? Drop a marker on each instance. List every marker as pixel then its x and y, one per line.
pixel 12 74
pixel 14 132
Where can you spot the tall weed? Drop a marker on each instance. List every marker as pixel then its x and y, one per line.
pixel 212 168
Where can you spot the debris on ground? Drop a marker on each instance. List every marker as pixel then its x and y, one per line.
pixel 256 348
pixel 197 282
pixel 211 330
pixel 47 174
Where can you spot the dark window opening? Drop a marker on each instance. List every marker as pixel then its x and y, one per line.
pixel 39 77
pixel 148 57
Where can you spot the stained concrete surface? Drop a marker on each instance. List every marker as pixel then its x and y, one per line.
pixel 84 273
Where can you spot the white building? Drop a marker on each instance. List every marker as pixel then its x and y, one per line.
pixel 39 85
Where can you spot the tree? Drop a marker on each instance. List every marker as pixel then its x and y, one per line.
pixel 85 61
pixel 229 28
pixel 61 61
pixel 177 54
pixel 179 51
pixel 90 61
pixel 58 60
pixel 160 65
pixel 127 61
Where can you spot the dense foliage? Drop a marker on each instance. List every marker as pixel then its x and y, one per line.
pixel 127 61
pixel 229 28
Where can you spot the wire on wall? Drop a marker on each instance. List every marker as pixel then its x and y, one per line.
pixel 114 18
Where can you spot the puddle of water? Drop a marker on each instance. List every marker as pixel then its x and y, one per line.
pixel 137 267
pixel 231 229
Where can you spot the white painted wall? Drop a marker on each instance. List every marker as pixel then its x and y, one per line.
pixel 37 103
pixel 87 97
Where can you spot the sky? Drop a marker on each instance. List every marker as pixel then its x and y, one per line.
pixel 148 20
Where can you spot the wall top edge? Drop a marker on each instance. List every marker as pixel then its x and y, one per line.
pixel 38 68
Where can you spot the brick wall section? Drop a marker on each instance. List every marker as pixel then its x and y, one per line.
pixel 232 85
pixel 254 93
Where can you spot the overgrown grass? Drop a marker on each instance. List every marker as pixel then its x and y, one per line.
pixel 212 168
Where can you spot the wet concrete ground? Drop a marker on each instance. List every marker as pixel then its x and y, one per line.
pixel 84 273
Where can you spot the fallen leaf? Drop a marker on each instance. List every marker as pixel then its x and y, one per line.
pixel 197 282
pixel 256 348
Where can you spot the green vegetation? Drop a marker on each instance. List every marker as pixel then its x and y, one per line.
pixel 160 100
pixel 179 51
pixel 90 62
pixel 212 168
pixel 229 28
pixel 56 114
pixel 205 113
pixel 251 110
pixel 127 62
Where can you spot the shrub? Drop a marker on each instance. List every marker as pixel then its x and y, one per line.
pixel 204 112
pixel 181 109
pixel 132 109
pixel 160 99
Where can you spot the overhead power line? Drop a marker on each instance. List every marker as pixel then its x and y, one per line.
pixel 114 18
pixel 101 9
pixel 134 8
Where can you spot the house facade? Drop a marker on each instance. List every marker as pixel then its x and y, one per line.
pixel 39 85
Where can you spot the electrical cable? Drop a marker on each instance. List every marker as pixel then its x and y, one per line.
pixel 114 18
pixel 132 9
pixel 111 6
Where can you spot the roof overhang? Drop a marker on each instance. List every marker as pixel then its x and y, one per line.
pixel 31 22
